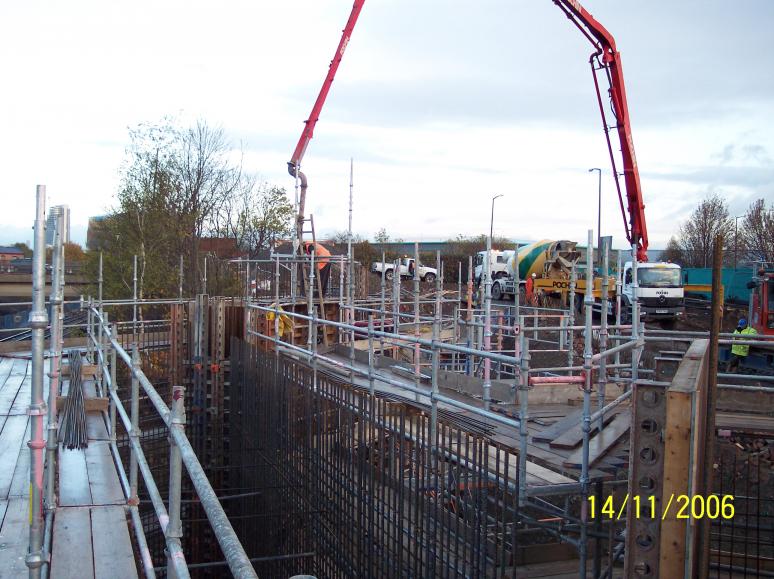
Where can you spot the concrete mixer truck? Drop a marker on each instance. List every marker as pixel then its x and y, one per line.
pixel 660 289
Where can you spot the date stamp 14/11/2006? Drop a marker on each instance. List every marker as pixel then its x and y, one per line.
pixel 677 506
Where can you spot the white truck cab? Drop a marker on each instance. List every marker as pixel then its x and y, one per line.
pixel 660 289
pixel 497 266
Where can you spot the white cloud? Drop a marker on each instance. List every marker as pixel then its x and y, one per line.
pixel 441 103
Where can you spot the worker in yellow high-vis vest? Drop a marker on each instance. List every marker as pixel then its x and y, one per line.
pixel 740 351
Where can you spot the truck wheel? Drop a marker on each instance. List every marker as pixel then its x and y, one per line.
pixel 497 292
pixel 388 275
pixel 429 277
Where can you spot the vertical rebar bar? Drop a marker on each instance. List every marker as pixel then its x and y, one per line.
pixel 36 410
pixel 174 530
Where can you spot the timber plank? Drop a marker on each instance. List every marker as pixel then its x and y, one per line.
pixel 602 442
pixel 14 539
pixel 73 478
pixel 574 436
pixel 95 427
pixel 558 428
pixel 20 483
pixel 103 478
pixel 113 555
pixel 11 442
pixel 12 386
pixel 6 364
pixel 71 550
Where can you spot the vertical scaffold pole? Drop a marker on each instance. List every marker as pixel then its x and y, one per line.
pixel 417 352
pixel 135 417
pixel 571 317
pixel 588 303
pixel 55 364
pixel 134 301
pixel 487 388
pixel 602 377
pixel 113 385
pixel 618 288
pixel 174 529
pixel 469 318
pixel 383 308
pixel 522 380
pixel 37 408
pixel 100 335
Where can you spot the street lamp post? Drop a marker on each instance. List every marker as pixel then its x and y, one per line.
pixel 491 221
pixel 599 210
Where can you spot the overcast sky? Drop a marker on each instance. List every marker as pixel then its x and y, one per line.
pixel 441 103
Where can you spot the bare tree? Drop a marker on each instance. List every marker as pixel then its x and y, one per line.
pixel 255 215
pixel 206 178
pixel 708 220
pixel 756 236
pixel 673 252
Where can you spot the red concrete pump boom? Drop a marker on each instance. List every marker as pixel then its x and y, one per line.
pixel 294 164
pixel 605 58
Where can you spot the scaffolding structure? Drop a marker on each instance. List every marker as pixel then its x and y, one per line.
pixel 402 432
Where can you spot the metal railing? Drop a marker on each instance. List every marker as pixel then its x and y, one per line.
pixel 107 345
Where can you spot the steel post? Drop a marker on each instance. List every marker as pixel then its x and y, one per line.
pixel 602 372
pixel 37 408
pixel 174 530
pixel 571 317
pixel 436 360
pixel 55 362
pixel 635 315
pixel 113 385
pixel 523 387
pixel 135 432
pixel 618 289
pixel 586 425
pixel 417 353
pixel 383 306
pixel 487 387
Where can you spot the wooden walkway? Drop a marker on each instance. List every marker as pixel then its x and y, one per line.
pixel 90 536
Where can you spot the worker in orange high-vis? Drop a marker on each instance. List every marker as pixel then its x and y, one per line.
pixel 322 262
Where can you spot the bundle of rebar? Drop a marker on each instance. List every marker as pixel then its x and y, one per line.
pixel 72 425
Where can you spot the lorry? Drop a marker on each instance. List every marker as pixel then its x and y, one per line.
pixel 498 264
pixel 660 289
pixel 405 269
